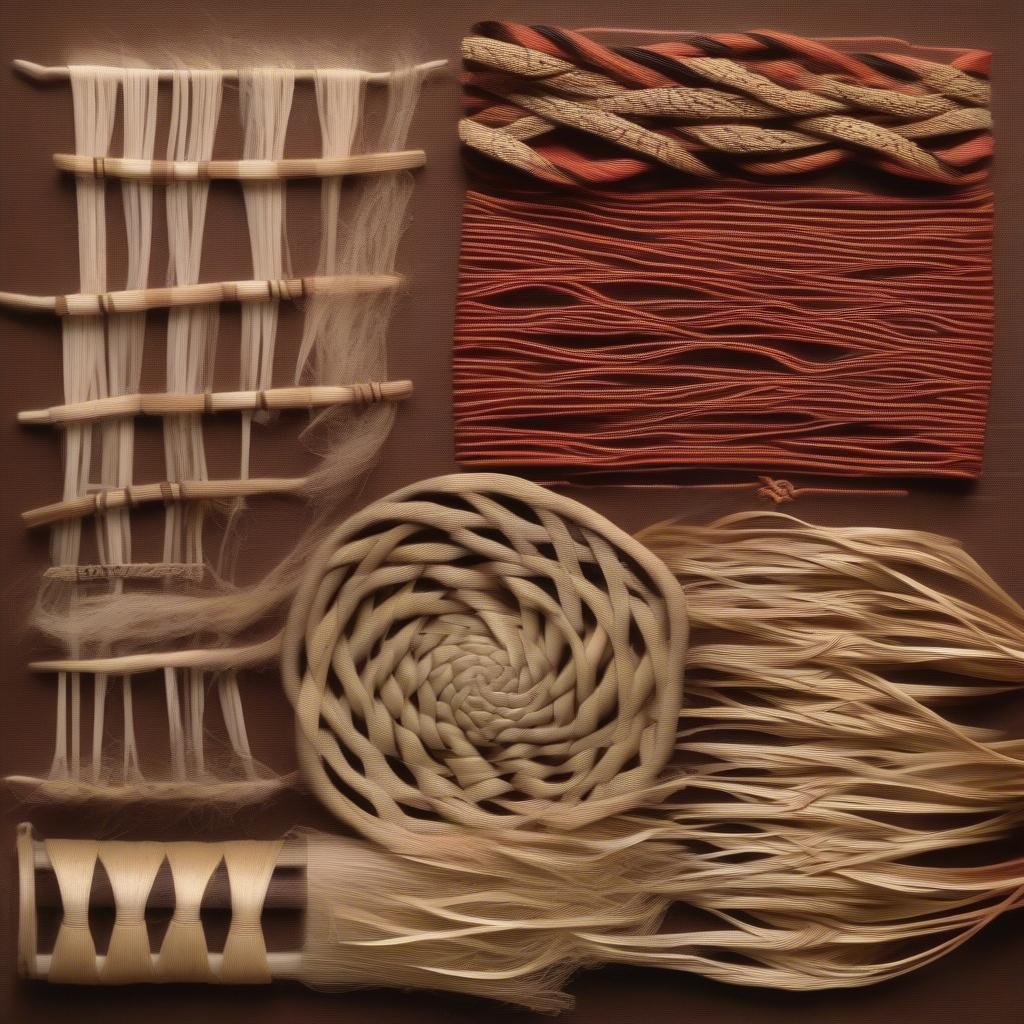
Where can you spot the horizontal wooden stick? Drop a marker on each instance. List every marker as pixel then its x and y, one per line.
pixel 40 73
pixel 214 659
pixel 283 966
pixel 166 491
pixel 238 170
pixel 138 300
pixel 292 855
pixel 170 404
pixel 170 791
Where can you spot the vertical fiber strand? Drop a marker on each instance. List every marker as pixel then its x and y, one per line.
pixel 94 94
pixel 191 348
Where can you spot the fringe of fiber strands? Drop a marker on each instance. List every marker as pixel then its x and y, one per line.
pixel 749 328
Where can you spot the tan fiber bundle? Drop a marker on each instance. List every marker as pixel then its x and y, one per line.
pixel 831 824
pixel 371 917
pixel 499 656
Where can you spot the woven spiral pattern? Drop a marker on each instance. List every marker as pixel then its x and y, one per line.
pixel 475 649
pixel 568 110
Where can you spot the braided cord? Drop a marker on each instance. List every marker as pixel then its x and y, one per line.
pixel 762 104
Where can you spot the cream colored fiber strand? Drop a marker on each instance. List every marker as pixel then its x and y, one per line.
pixel 94 93
pixel 265 95
pixel 191 350
pixel 339 103
pixel 125 340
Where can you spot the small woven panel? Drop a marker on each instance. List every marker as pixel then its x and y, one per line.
pixel 132 868
pixel 560 106
pixel 477 650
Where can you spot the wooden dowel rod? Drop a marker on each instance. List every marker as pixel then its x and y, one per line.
pixel 283 966
pixel 40 73
pixel 235 793
pixel 213 660
pixel 238 170
pixel 28 303
pixel 172 404
pixel 138 300
pixel 177 490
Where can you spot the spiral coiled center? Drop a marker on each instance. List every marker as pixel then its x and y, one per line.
pixel 478 650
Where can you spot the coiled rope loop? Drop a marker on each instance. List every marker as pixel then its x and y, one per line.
pixel 477 650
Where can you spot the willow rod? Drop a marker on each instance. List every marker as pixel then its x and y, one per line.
pixel 165 491
pixel 170 404
pixel 56 73
pixel 238 170
pixel 138 300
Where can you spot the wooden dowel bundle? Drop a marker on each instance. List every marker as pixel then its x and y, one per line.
pixel 57 73
pixel 238 170
pixel 138 300
pixel 312 397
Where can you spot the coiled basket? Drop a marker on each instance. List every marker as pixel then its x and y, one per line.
pixel 475 650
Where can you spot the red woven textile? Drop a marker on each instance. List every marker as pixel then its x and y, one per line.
pixel 655 281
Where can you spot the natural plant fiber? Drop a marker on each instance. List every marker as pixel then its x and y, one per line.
pixel 372 918
pixel 821 807
pixel 493 655
pixel 104 331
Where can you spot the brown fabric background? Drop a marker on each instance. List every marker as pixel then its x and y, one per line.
pixel 38 255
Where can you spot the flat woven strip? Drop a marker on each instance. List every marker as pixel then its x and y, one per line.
pixel 476 650
pixel 566 109
pixel 635 336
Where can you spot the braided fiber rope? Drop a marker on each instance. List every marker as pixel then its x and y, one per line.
pixel 480 651
pixel 565 109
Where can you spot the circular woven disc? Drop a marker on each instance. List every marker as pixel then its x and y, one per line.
pixel 475 649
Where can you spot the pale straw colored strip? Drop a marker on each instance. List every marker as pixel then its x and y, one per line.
pixel 239 170
pixel 207 791
pixel 138 300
